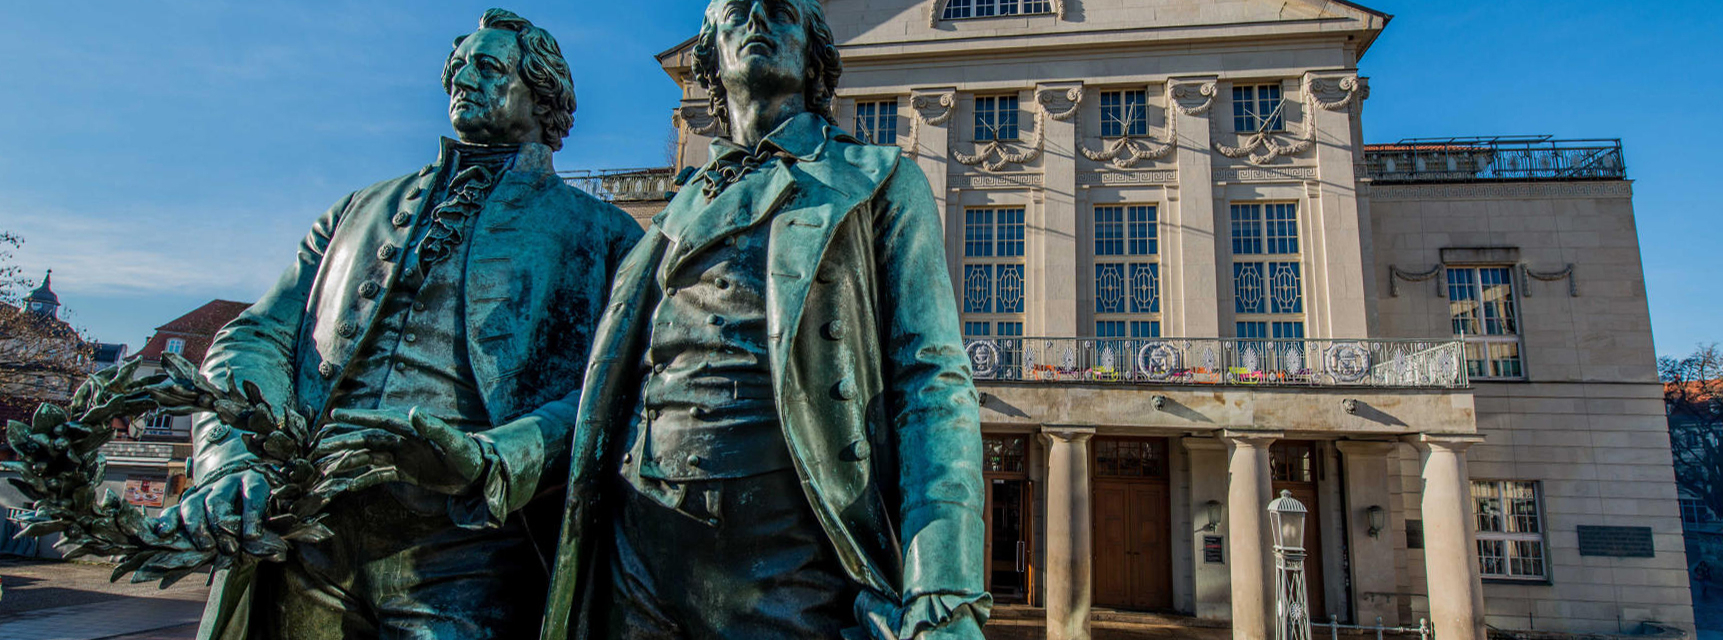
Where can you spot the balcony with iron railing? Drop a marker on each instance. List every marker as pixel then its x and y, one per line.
pixel 624 185
pixel 1498 159
pixel 1386 364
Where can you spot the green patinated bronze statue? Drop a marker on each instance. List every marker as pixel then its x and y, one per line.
pixel 779 437
pixel 436 326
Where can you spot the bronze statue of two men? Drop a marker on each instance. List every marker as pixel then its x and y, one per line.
pixel 755 421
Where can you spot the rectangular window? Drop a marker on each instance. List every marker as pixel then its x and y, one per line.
pixel 1694 511
pixel 1257 108
pixel 1124 113
pixel 1510 530
pixel 1145 329
pixel 876 122
pixel 1127 270
pixel 994 277
pixel 1269 279
pixel 995 118
pixel 963 9
pixel 1110 329
pixel 1484 310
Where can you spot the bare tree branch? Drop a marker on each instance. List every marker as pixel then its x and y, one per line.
pixel 1693 395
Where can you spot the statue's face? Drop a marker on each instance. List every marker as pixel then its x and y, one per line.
pixel 489 102
pixel 762 45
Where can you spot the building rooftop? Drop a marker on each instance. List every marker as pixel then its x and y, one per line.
pixel 197 329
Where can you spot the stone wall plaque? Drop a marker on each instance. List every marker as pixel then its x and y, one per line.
pixel 1214 550
pixel 1617 542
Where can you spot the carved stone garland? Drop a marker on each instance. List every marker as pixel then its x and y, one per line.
pixel 1264 147
pixel 698 119
pixel 1396 274
pixel 1127 151
pixel 936 11
pixel 995 155
pixel 926 109
pixel 1552 276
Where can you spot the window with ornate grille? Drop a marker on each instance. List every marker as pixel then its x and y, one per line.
pixel 994 273
pixel 876 122
pixel 995 118
pixel 1124 113
pixel 1004 454
pixel 1485 312
pixel 1127 271
pixel 1267 272
pixel 1510 530
pixel 1130 458
pixel 1257 108
pixel 964 9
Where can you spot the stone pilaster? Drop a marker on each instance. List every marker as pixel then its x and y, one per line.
pixel 1070 541
pixel 1249 489
pixel 929 143
pixel 1333 212
pixel 1193 289
pixel 1057 105
pixel 1450 540
pixel 1372 561
pixel 1208 464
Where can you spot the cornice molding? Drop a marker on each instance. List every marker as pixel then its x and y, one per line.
pixel 1500 191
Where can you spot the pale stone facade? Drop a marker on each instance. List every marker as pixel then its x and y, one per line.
pixel 1317 356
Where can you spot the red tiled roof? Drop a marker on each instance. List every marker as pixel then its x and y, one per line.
pixel 197 329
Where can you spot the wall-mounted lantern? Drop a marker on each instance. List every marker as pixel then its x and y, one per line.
pixel 1213 525
pixel 1378 518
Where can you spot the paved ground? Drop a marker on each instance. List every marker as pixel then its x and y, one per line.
pixel 74 601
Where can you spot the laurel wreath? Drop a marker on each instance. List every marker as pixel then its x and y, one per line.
pixel 61 468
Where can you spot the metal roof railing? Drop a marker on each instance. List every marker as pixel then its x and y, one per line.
pixel 1493 159
pixel 624 185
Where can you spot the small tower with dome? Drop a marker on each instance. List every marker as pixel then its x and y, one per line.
pixel 43 301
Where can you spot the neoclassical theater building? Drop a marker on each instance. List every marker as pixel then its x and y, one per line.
pixel 1189 285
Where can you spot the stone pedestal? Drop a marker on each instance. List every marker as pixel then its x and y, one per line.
pixel 1450 542
pixel 1070 546
pixel 1249 489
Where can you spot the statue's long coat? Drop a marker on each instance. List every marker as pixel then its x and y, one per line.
pixel 870 378
pixel 542 257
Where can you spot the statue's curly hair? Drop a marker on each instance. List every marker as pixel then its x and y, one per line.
pixel 824 64
pixel 543 68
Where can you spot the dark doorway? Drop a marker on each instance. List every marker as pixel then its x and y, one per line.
pixel 1010 553
pixel 1133 530
pixel 1297 468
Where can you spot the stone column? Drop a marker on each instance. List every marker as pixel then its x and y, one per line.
pixel 1208 483
pixel 1191 215
pixel 1372 561
pixel 1070 546
pixel 1249 489
pixel 1450 541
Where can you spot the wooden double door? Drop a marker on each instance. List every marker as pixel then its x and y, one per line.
pixel 1132 561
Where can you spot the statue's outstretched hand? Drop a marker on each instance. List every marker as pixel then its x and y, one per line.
pixel 222 513
pixel 362 449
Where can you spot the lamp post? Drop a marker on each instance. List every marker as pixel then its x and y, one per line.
pixel 1291 611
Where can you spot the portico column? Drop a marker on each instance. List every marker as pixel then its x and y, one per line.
pixel 1249 485
pixel 1070 549
pixel 1450 542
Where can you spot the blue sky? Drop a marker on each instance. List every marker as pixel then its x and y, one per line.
pixel 158 155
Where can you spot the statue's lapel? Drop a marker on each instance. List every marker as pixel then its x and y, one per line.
pixel 799 238
pixel 692 227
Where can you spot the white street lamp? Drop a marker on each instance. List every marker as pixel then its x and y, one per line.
pixel 1292 612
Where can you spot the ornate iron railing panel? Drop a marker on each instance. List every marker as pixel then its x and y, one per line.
pixel 624 185
pixel 1493 160
pixel 1427 364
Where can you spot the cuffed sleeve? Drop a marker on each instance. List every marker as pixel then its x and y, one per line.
pixel 934 616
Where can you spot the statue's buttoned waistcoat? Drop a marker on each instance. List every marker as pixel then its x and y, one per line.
pixel 539 259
